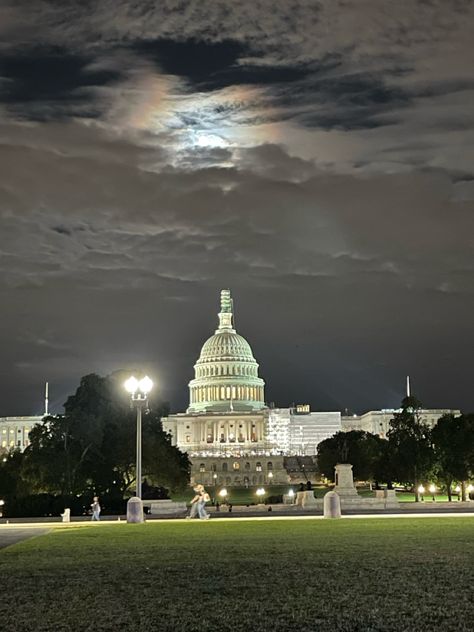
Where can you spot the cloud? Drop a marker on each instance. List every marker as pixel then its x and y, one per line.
pixel 316 157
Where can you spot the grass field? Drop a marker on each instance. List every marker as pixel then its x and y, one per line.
pixel 389 574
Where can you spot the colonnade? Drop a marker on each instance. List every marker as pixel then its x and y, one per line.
pixel 230 431
pixel 200 394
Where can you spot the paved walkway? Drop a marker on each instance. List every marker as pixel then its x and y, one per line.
pixel 27 530
pixel 12 535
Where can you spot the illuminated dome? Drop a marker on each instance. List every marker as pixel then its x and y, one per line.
pixel 226 374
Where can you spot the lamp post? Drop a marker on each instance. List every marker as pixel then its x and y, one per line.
pixel 260 493
pixel 432 491
pixel 270 477
pixel 421 491
pixel 139 390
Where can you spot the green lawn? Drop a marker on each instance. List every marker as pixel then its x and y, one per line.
pixel 397 574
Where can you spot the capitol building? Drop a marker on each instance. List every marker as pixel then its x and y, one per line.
pixel 231 436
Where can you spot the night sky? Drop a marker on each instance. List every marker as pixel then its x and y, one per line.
pixel 317 158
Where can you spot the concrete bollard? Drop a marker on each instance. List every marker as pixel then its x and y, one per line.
pixel 332 505
pixel 134 510
pixel 66 516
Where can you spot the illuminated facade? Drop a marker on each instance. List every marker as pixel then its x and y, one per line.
pixel 14 432
pixel 378 421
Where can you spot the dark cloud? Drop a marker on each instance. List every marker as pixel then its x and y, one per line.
pixel 316 158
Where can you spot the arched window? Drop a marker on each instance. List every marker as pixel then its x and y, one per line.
pixel 202 467
pixel 224 467
pixel 247 467
pixel 258 466
pixel 269 466
pixel 236 465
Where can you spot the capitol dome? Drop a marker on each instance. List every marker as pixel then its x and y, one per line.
pixel 226 373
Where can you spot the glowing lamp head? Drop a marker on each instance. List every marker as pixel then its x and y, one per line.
pixel 145 385
pixel 223 493
pixel 421 489
pixel 291 493
pixel 470 488
pixel 131 385
pixel 457 489
pixel 260 491
pixel 432 488
pixel 270 474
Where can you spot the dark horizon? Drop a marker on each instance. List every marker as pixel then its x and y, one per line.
pixel 315 158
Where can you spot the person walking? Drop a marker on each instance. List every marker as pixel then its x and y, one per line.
pixel 194 511
pixel 95 509
pixel 204 498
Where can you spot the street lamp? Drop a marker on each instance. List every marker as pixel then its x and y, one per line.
pixel 270 476
pixel 260 493
pixel 139 390
pixel 421 491
pixel 432 491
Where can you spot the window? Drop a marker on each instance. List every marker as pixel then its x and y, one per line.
pixel 224 467
pixel 269 466
pixel 188 439
pixel 247 466
pixel 258 466
pixel 202 468
pixel 236 465
pixel 214 467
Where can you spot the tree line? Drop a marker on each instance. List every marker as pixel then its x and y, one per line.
pixel 411 454
pixel 90 450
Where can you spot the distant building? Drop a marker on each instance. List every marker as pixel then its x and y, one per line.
pixel 378 421
pixel 14 432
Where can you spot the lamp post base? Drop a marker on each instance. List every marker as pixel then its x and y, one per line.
pixel 135 510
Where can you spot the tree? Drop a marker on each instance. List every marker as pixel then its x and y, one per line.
pixel 361 449
pixel 12 482
pixel 453 442
pixel 410 445
pixel 92 446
